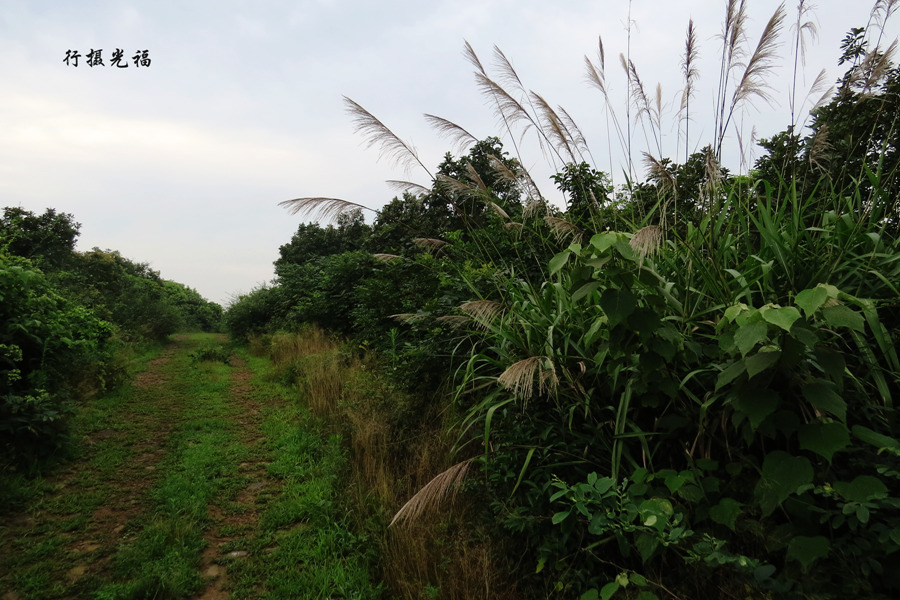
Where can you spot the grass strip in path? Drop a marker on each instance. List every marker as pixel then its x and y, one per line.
pixel 302 546
pixel 202 464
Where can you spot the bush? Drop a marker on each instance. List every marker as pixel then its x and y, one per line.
pixel 48 345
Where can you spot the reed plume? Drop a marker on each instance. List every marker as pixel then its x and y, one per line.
pixel 377 133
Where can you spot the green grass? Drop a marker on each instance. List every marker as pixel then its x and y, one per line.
pixel 188 466
pixel 303 547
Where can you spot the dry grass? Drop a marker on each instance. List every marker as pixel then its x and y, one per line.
pixel 433 496
pixel 647 240
pixel 445 559
pixel 564 230
pixel 315 361
pixel 395 446
pixel 484 312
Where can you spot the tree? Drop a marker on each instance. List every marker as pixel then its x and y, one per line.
pixel 313 241
pixel 48 239
pixel 466 187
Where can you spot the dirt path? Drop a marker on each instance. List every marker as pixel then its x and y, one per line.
pixel 197 481
pixel 65 543
pixel 86 509
pixel 232 521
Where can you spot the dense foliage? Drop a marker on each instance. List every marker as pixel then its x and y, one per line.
pixel 683 387
pixel 66 320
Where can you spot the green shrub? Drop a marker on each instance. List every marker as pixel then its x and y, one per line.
pixel 48 346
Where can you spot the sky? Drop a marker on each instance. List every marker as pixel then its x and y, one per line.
pixel 182 163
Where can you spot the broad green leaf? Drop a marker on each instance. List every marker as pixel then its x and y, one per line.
pixel 646 545
pixel 761 361
pixel 674 482
pixel 585 290
pixel 843 316
pixel 731 373
pixel 657 506
pixel 608 590
pixel 862 489
pixel 831 361
pixel 733 311
pixel 874 438
pixel 625 249
pixel 746 337
pixel 782 474
pixel 644 320
pixel 557 262
pixel 803 334
pixel 602 241
pixel 592 594
pixel 831 290
pixel 592 333
pixel 692 493
pixel 598 263
pixel 560 517
pixel 811 300
pixel 707 464
pixel 783 317
pixel 821 394
pixel 617 304
pixel 637 579
pixel 664 348
pixel 824 438
pixel 807 550
pixel 726 512
pixel 763 572
pixel 603 485
pixel 756 404
pixel 748 316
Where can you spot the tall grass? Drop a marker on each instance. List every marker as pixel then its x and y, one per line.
pixel 396 446
pixel 657 351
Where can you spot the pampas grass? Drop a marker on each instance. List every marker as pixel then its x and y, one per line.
pixel 443 487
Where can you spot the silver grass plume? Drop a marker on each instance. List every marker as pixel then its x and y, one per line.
pixel 691 73
pixel 507 108
pixel 409 317
pixel 457 134
pixel 554 129
pixel 521 179
pixel 485 312
pixel 430 243
pixel 444 486
pixel 578 140
pixel 389 143
pixel 321 208
pixel 818 149
pixel 761 63
pixel 804 29
pixel 455 320
pixel 732 37
pixel 520 377
pixel 646 241
pixel 753 81
pixel 408 186
pixel 563 230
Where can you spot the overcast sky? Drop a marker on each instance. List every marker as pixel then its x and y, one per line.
pixel 182 163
